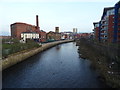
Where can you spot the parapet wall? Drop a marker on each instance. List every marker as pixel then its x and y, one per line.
pixel 20 56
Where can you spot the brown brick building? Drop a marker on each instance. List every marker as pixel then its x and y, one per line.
pixel 43 36
pixel 50 36
pixel 18 27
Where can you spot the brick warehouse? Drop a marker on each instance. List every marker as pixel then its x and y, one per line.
pixel 19 27
pixel 43 36
pixel 109 25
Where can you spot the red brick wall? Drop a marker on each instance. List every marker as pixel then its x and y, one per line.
pixel 110 28
pixel 43 36
pixel 119 28
pixel 57 36
pixel 18 28
pixel 96 33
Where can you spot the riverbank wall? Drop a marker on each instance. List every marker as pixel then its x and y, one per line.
pixel 22 55
pixel 105 60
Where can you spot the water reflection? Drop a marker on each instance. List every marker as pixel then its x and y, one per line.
pixel 58 47
pixel 58 67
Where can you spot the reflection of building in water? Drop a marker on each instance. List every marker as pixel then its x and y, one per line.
pixel 58 47
pixel 74 42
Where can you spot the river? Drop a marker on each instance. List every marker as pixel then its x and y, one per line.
pixel 57 67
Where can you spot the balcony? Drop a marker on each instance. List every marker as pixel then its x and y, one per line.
pixel 103 37
pixel 104 24
pixel 103 33
pixel 103 21
pixel 104 29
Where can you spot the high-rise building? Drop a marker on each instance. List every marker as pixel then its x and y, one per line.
pixel 74 30
pixel 117 23
pixel 109 25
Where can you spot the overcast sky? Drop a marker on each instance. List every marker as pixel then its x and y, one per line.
pixel 66 14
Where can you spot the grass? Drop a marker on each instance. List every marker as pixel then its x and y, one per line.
pixel 15 46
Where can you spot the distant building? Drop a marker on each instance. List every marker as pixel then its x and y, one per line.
pixel 74 30
pixel 85 35
pixel 43 36
pixel 54 35
pixel 57 29
pixel 5 37
pixel 67 35
pixel 51 36
pixel 57 36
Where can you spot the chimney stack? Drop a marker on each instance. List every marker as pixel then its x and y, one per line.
pixel 37 21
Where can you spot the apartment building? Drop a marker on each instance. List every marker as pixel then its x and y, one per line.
pixel 96 30
pixel 109 25
pixel 117 23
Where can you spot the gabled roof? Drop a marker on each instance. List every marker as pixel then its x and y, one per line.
pixel 42 31
pixel 50 32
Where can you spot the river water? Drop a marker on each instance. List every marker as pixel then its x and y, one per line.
pixel 57 67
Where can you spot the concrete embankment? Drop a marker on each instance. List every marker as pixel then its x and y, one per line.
pixel 20 56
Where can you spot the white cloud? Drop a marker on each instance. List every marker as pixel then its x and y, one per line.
pixel 58 0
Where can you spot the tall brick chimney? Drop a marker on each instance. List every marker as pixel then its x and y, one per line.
pixel 37 21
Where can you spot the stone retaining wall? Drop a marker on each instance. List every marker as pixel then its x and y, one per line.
pixel 20 56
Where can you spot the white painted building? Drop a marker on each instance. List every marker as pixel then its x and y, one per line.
pixel 29 35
